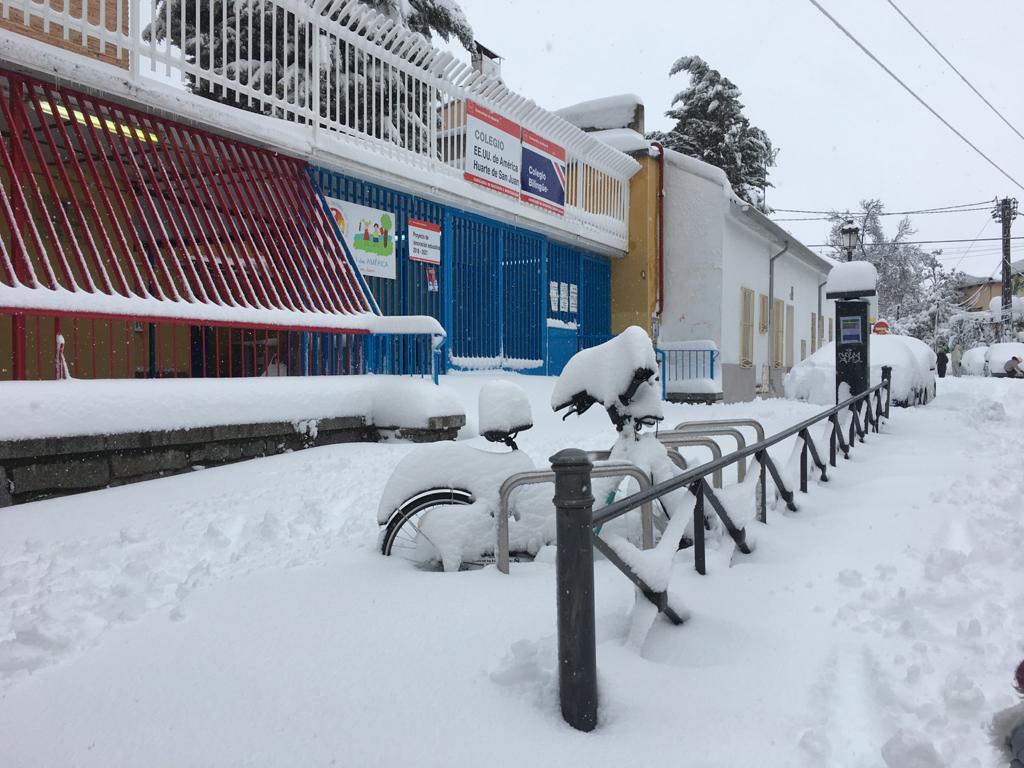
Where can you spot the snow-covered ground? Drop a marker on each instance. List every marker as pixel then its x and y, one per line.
pixel 242 616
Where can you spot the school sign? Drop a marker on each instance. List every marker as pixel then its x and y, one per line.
pixel 506 158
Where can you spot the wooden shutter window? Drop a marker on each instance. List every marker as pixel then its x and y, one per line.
pixel 746 328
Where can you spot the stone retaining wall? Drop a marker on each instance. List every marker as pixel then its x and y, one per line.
pixel 57 466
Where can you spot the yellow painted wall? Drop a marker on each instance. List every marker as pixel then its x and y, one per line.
pixel 635 277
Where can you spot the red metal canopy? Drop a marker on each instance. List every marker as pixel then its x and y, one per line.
pixel 110 212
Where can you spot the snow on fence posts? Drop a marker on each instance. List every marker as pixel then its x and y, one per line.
pixel 379 86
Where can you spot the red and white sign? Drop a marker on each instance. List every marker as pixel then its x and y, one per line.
pixel 881 328
pixel 543 173
pixel 424 241
pixel 493 150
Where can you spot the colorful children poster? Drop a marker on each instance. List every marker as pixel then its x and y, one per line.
pixel 369 234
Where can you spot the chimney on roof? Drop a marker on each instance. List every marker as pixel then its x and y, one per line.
pixel 486 61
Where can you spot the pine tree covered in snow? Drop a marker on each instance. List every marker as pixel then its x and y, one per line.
pixel 711 126
pixel 260 44
pixel 916 294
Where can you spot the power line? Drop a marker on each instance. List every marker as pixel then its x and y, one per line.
pixel 909 90
pixel 921 242
pixel 895 213
pixel 986 203
pixel 983 226
pixel 958 72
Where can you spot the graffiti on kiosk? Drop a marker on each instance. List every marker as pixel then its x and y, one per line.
pixel 848 356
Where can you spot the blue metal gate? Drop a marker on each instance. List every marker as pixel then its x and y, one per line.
pixel 507 297
pixel 412 292
pixel 472 256
pixel 522 267
pixel 595 300
pixel 578 301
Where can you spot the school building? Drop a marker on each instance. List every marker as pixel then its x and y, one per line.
pixel 373 205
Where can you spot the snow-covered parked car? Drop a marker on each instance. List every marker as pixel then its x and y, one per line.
pixel 973 361
pixel 998 354
pixel 912 362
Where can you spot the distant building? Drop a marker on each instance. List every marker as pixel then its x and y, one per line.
pixel 976 293
pixel 724 330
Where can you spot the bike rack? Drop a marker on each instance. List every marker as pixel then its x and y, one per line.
pixel 673 441
pixel 757 426
pixel 724 428
pixel 536 477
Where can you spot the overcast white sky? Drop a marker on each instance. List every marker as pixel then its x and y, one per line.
pixel 846 130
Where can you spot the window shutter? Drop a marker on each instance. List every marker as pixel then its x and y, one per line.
pixel 778 331
pixel 763 321
pixel 746 328
pixel 790 335
pixel 830 329
pixel 814 331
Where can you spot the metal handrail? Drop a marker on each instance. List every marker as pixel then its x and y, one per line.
pixel 536 477
pixel 686 478
pixel 758 427
pixel 670 440
pixel 576 539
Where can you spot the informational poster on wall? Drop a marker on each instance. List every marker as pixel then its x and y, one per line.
pixel 543 182
pixel 574 295
pixel 370 236
pixel 563 298
pixel 431 280
pixel 553 291
pixel 493 150
pixel 424 241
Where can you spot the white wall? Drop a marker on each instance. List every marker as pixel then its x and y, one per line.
pixel 695 206
pixel 712 250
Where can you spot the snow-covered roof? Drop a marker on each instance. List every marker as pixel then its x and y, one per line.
pixel 822 264
pixel 740 207
pixel 601 114
pixel 704 170
pixel 623 139
pixel 970 281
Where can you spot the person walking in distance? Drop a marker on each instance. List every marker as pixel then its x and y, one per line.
pixel 955 357
pixel 941 361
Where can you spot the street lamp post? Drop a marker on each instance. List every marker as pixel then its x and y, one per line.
pixel 849 237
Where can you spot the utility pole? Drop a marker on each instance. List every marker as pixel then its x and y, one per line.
pixel 1005 211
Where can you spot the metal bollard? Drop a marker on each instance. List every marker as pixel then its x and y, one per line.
pixel 574 565
pixel 887 378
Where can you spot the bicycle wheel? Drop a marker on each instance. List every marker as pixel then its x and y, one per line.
pixel 402 534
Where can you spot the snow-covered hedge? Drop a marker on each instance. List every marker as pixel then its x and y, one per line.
pixel 913 364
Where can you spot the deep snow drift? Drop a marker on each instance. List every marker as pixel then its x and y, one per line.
pixel 241 616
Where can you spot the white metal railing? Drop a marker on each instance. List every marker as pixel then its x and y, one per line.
pixel 338 66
